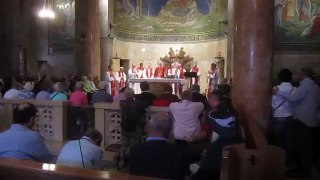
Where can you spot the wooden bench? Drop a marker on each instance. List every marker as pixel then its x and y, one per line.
pixel 254 159
pixel 25 169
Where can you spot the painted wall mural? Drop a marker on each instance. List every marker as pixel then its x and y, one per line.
pixel 297 25
pixel 169 20
pixel 61 31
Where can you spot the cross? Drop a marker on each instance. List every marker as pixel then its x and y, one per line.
pixel 252 159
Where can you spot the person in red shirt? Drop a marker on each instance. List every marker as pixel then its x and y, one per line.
pixel 78 97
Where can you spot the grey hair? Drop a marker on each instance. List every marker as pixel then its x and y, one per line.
pixel 79 85
pixel 161 122
pixel 129 92
pixel 103 85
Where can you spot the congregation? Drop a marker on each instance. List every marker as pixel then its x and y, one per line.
pixel 186 142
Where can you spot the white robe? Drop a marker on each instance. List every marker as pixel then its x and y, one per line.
pixel 108 80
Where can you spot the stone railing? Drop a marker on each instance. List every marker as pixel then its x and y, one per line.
pixel 50 121
pixel 108 119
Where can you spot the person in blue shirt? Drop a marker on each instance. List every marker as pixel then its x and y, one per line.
pixel 58 94
pixel 20 141
pixel 84 152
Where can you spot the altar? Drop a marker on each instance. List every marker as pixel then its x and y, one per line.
pixel 157 84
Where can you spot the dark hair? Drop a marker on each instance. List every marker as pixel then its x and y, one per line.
pixel 195 88
pixel 213 65
pixel 23 113
pixel 95 136
pixel 122 89
pixel 109 66
pixel 186 95
pixel 144 86
pixel 141 64
pixel 167 88
pixel 225 89
pixel 219 95
pixel 285 75
pixel 307 72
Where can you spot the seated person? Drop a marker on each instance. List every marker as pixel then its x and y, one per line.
pixel 226 131
pixel 157 157
pixel 44 93
pixel 197 97
pixel 145 95
pixel 20 141
pixel 89 86
pixel 102 94
pixel 121 96
pixel 166 98
pixel 78 97
pixel 58 94
pixel 187 126
pixel 84 152
pixel 13 92
pixel 26 92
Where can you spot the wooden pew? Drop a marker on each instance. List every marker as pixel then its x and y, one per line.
pixel 24 169
pixel 254 159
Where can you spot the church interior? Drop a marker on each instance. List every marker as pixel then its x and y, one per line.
pixel 236 54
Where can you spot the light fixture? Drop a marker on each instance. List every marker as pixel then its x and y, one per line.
pixel 46 11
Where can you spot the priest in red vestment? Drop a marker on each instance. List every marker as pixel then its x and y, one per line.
pixel 195 80
pixel 121 79
pixel 160 71
pixel 148 72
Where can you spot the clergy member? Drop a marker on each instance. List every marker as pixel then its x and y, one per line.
pixel 196 69
pixel 133 74
pixel 160 71
pixel 181 72
pixel 121 79
pixel 148 72
pixel 110 80
pixel 213 78
pixel 141 70
pixel 173 72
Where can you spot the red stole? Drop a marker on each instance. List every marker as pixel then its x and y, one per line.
pixel 160 72
pixel 181 73
pixel 121 84
pixel 149 72
pixel 113 87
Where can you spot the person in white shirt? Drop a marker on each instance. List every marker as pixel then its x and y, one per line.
pixel 187 126
pixel 213 79
pixel 282 110
pixel 84 152
pixel 306 103
pixel 110 80
pixel 148 72
pixel 173 71
pixel 134 74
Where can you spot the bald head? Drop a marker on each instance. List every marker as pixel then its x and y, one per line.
pixel 160 125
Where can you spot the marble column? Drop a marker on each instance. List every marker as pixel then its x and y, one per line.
pixel 87 30
pixel 104 35
pixel 230 57
pixel 253 36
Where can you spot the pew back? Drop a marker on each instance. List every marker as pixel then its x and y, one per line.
pixel 24 169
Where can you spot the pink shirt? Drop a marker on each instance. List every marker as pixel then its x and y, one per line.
pixel 186 119
pixel 78 98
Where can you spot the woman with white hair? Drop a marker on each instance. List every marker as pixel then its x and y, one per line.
pixel 26 92
pixel 58 94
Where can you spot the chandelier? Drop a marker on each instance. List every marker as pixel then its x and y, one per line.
pixel 46 11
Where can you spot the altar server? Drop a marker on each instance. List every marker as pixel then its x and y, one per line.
pixel 196 69
pixel 148 72
pixel 121 79
pixel 110 80
pixel 213 78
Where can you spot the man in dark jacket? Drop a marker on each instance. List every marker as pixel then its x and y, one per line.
pixel 146 95
pixel 157 157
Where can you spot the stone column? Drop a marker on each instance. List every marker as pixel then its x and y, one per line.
pixel 104 6
pixel 87 27
pixel 253 36
pixel 230 57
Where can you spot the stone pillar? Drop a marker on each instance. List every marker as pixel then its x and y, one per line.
pixel 104 36
pixel 253 36
pixel 87 27
pixel 230 57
